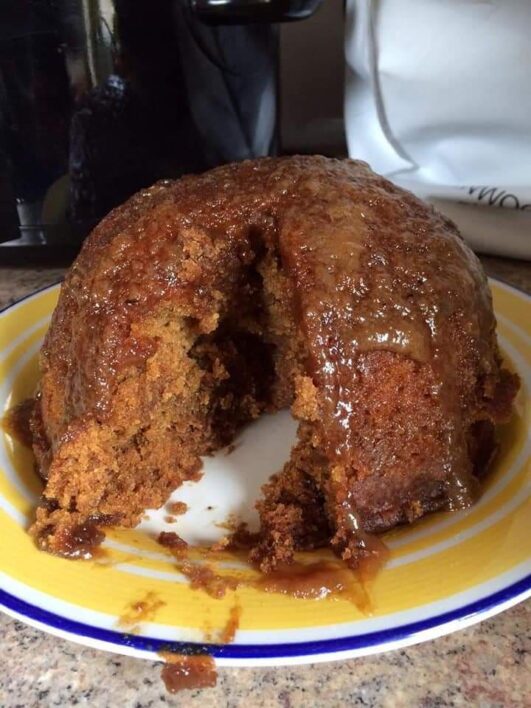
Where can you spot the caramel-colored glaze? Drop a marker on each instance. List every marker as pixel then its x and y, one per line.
pixel 314 581
pixel 231 627
pixel 370 553
pixel 364 258
pixel 392 308
pixel 142 610
pixel 16 422
pixel 81 542
pixel 319 580
pixel 182 672
pixel 381 258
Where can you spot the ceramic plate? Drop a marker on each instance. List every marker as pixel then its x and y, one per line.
pixel 445 572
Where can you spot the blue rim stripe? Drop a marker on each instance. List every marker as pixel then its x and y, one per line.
pixel 260 651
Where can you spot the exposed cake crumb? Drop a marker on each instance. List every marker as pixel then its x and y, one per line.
pixel 204 577
pixel 177 508
pixel 171 540
pixel 221 545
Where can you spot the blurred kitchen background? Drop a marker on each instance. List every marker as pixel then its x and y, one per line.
pixel 99 98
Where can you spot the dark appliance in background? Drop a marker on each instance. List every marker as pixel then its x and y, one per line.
pixel 99 98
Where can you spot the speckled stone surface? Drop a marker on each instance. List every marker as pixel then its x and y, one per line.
pixel 488 665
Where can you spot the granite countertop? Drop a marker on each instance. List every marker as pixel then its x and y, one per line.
pixel 486 665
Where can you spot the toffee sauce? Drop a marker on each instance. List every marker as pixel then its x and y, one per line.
pixel 182 672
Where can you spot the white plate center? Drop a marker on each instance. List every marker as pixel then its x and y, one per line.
pixel 231 482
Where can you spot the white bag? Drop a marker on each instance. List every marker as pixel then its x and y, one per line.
pixel 438 99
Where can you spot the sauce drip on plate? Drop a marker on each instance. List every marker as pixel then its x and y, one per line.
pixel 321 580
pixel 142 610
pixel 229 630
pixel 16 422
pixel 182 672
pixel 83 541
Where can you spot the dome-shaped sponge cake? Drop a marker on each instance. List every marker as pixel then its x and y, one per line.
pixel 304 281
